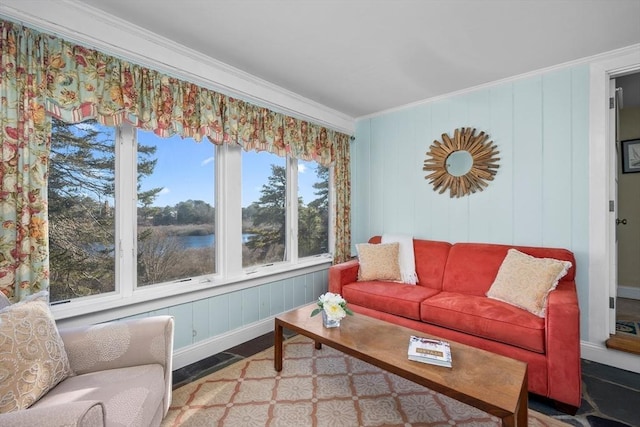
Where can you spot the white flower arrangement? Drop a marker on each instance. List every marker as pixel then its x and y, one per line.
pixel 333 305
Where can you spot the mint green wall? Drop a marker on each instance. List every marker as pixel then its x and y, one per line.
pixel 539 196
pixel 206 318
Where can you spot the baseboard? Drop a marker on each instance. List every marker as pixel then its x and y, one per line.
pixel 203 349
pixel 614 358
pixel 628 292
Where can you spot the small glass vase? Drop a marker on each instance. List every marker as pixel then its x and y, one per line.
pixel 328 323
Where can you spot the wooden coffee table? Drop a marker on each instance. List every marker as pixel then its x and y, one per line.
pixel 487 381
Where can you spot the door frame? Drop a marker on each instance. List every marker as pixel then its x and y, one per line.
pixel 597 329
pixel 612 147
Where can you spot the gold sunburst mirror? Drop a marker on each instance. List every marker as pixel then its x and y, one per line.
pixel 463 164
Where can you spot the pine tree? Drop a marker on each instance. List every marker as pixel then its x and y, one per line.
pixel 268 240
pixel 313 219
pixel 81 212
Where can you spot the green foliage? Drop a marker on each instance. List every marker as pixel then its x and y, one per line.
pixel 81 213
pixel 267 219
pixel 267 242
pixel 313 219
pixel 81 223
pixel 183 213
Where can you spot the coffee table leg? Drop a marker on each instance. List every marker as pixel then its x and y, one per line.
pixel 522 417
pixel 277 356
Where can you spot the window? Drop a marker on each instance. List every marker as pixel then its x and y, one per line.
pixel 264 198
pixel 176 214
pixel 81 210
pixel 129 211
pixel 313 209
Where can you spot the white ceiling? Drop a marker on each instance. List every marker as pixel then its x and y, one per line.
pixel 361 57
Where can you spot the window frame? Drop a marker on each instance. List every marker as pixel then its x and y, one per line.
pixel 128 299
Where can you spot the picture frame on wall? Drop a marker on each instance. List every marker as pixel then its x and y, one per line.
pixel 631 156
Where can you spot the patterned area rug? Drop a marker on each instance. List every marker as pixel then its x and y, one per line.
pixel 318 388
pixel 628 327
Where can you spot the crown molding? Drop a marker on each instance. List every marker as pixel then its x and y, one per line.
pixel 85 25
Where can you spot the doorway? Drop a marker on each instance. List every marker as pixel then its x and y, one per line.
pixel 596 328
pixel 626 329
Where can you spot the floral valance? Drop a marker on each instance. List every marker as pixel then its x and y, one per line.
pixel 84 83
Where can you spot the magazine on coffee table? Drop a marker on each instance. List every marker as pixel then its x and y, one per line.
pixel 427 350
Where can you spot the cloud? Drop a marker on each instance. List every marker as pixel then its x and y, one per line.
pixel 164 190
pixel 302 168
pixel 207 161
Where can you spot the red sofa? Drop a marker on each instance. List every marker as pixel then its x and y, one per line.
pixel 449 301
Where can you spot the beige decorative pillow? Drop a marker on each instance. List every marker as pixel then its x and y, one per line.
pixel 525 281
pixel 379 261
pixel 32 355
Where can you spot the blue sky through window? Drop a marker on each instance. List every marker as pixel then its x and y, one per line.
pixel 185 171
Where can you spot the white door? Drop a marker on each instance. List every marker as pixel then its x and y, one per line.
pixel 614 151
pixel 628 195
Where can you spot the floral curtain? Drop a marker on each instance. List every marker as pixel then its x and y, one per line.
pixel 46 73
pixel 24 142
pixel 342 180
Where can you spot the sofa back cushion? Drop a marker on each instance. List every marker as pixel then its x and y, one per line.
pixel 472 267
pixel 431 258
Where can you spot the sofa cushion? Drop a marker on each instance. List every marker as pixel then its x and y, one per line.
pixel 430 257
pixel 131 396
pixel 526 281
pixel 486 318
pixel 32 355
pixel 379 262
pixel 472 267
pixel 395 298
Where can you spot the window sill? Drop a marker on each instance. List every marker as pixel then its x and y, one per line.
pixel 103 308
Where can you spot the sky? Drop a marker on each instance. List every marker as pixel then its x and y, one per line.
pixel 194 164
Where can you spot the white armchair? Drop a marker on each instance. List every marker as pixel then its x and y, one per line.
pixel 122 376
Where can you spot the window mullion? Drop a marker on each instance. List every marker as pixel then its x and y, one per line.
pixel 126 199
pixel 292 210
pixel 229 210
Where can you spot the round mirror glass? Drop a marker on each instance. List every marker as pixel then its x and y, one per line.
pixel 459 163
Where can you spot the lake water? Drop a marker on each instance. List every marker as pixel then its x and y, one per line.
pixel 187 242
pixel 206 241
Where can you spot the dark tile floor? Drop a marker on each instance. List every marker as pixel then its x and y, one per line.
pixel 611 397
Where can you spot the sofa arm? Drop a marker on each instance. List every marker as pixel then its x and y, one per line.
pixel 87 413
pixel 120 344
pixel 343 274
pixel 563 344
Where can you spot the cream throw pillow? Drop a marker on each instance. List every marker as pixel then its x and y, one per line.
pixel 32 355
pixel 379 261
pixel 525 281
pixel 406 257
